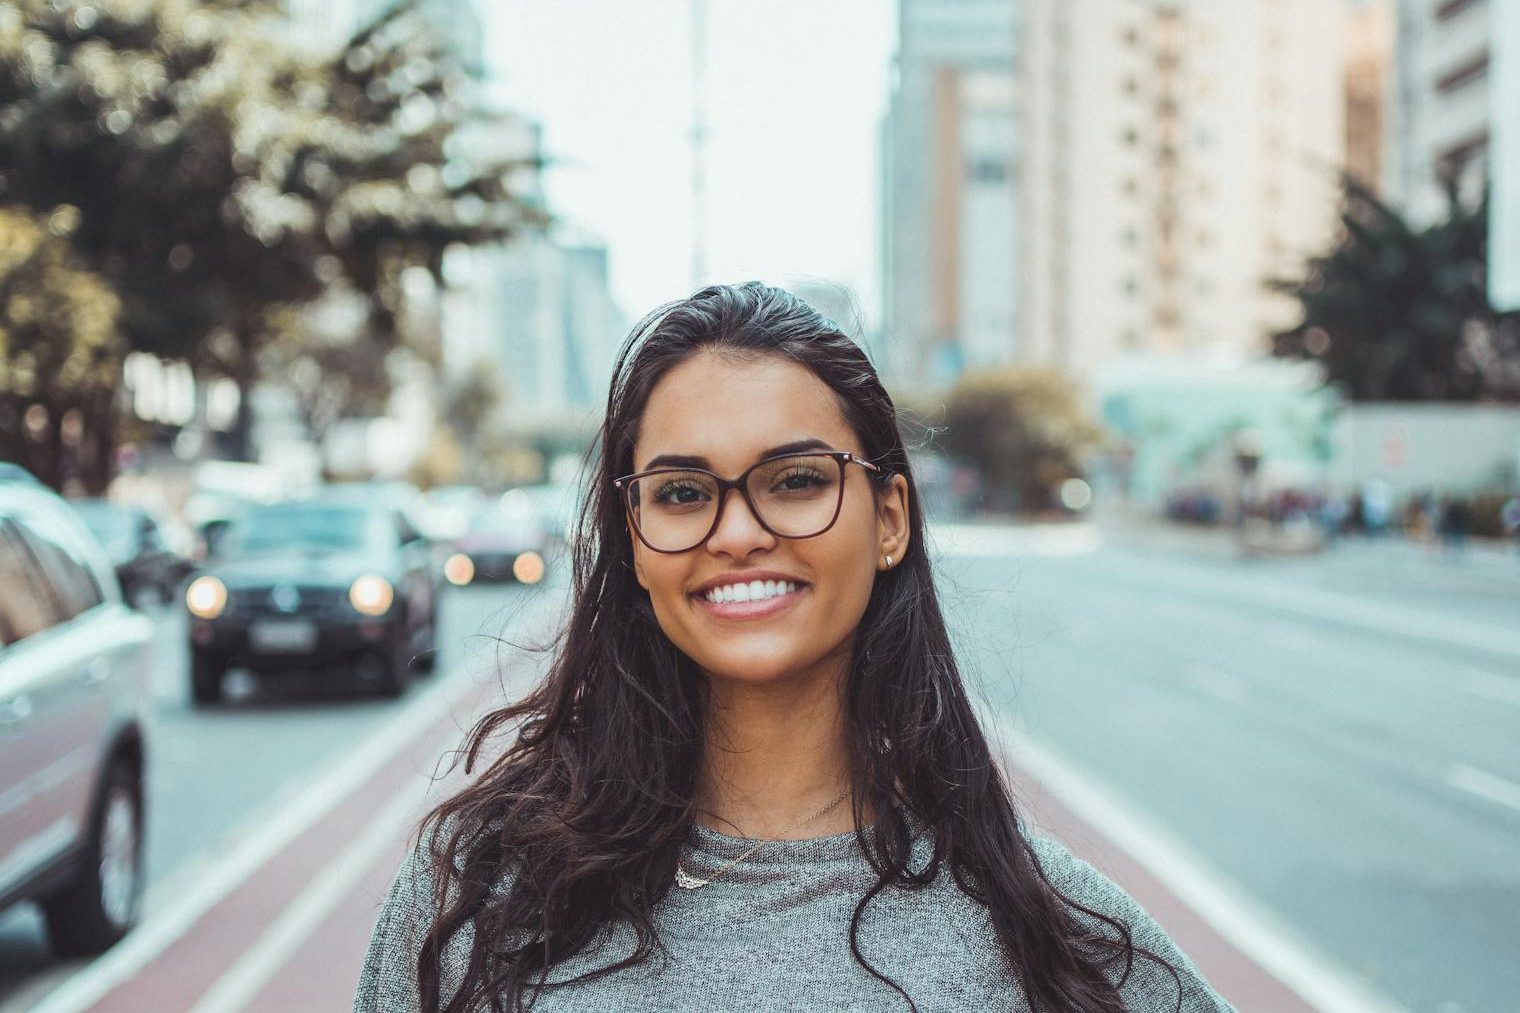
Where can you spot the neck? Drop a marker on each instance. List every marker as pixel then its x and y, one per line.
pixel 774 755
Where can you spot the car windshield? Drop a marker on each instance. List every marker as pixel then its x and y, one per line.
pixel 509 517
pixel 117 528
pixel 304 528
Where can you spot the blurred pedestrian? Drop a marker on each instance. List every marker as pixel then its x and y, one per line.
pixel 1454 523
pixel 753 776
pixel 1509 516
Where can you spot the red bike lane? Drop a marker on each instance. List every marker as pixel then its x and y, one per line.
pixel 290 934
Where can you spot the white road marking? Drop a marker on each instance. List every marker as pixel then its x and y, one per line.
pixel 322 794
pixel 243 981
pixel 1492 687
pixel 1078 538
pixel 1483 784
pixel 1218 684
pixel 1243 922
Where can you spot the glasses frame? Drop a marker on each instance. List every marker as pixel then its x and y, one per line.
pixel 624 486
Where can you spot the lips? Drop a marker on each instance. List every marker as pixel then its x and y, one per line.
pixel 742 610
pixel 748 593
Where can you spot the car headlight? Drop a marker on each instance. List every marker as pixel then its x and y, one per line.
pixel 528 568
pixel 206 597
pixel 459 569
pixel 371 595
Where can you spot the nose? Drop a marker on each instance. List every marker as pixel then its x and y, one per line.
pixel 739 532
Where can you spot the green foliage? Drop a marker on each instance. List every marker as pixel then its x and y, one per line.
pixel 60 350
pixel 224 173
pixel 1400 313
pixel 1023 430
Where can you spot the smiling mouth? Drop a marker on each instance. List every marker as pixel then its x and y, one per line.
pixel 750 601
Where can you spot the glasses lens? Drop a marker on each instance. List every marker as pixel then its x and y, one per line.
pixel 673 509
pixel 797 496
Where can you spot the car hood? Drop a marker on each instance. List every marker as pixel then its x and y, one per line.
pixel 308 569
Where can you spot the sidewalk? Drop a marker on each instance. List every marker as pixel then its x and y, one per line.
pixel 283 923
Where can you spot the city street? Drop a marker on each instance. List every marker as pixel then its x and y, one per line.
pixel 218 777
pixel 1336 735
pixel 1314 759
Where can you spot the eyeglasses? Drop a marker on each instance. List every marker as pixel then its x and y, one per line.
pixel 792 496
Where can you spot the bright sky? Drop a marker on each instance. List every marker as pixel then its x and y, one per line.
pixel 796 92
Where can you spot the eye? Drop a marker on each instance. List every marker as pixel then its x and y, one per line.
pixel 680 493
pixel 800 479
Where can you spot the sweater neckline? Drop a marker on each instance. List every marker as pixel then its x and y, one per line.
pixel 804 850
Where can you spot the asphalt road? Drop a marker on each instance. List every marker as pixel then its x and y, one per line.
pixel 1338 735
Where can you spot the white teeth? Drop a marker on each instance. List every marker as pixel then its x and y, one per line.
pixel 755 590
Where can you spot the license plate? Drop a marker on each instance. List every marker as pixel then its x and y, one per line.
pixel 282 636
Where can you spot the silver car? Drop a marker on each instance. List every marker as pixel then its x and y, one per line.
pixel 73 716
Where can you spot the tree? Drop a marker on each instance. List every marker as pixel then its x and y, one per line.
pixel 1396 312
pixel 224 173
pixel 60 353
pixel 1024 430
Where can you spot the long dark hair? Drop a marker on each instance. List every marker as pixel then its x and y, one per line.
pixel 578 822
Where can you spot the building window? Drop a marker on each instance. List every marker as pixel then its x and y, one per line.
pixel 1451 8
pixel 1475 69
pixel 988 170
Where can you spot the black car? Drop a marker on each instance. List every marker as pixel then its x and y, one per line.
pixel 505 541
pixel 311 585
pixel 144 561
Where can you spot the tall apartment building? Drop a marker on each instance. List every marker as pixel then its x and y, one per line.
pixel 951 230
pixel 1139 168
pixel 1456 105
pixel 1442 111
pixel 1178 156
pixel 1367 46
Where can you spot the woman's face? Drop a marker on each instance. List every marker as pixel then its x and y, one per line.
pixel 729 413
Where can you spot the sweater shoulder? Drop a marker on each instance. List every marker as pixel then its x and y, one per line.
pixel 1148 985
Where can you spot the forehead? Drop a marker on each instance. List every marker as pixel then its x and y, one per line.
pixel 731 410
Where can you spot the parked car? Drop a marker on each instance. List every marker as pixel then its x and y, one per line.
pixel 138 549
pixel 505 541
pixel 74 671
pixel 308 585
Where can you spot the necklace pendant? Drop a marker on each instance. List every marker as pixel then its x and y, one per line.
pixel 687 881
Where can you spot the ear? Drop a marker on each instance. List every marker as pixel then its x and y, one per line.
pixel 892 534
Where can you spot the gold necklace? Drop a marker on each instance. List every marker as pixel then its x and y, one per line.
pixel 687 881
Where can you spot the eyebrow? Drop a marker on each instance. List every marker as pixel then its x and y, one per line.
pixel 691 461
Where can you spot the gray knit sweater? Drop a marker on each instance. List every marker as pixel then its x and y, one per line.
pixel 772 934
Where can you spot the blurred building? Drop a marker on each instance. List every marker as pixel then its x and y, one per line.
pixel 1067 181
pixel 1504 162
pixel 1368 40
pixel 1442 117
pixel 538 312
pixel 951 229
pixel 1177 156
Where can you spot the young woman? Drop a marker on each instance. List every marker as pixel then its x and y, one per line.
pixel 752 779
